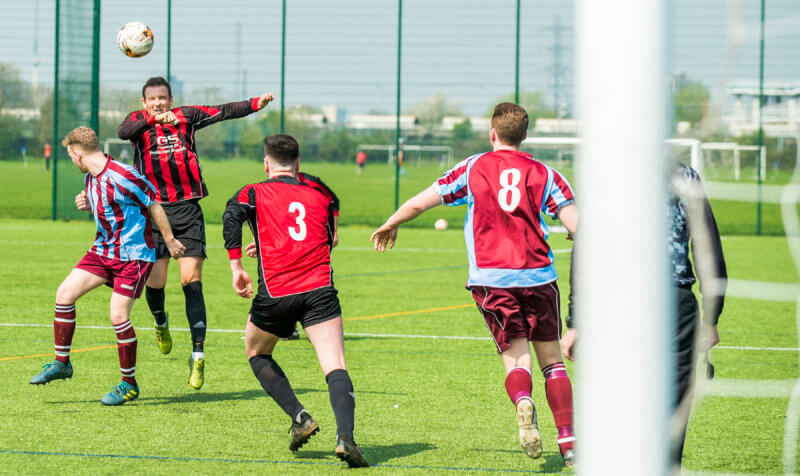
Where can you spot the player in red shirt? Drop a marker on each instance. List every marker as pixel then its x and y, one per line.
pixel 511 273
pixel 292 223
pixel 163 140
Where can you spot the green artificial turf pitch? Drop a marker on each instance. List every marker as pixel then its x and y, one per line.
pixel 428 382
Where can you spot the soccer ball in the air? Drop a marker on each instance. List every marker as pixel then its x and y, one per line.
pixel 135 39
pixel 440 224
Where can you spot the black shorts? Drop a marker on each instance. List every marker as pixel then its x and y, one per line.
pixel 279 315
pixel 186 220
pixel 686 324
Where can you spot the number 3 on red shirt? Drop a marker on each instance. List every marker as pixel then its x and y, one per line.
pixel 299 233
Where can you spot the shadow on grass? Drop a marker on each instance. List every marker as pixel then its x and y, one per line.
pixel 196 397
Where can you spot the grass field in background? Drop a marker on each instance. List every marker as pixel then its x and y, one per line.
pixel 428 382
pixel 366 199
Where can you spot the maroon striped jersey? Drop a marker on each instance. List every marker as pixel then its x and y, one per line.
pixel 166 154
pixel 292 225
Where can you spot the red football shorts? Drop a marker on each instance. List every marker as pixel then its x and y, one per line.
pixel 510 313
pixel 124 277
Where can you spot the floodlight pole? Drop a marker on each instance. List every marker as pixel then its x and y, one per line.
pixel 94 116
pixel 760 155
pixel 283 64
pixel 397 118
pixel 623 310
pixel 53 146
pixel 169 41
pixel 516 60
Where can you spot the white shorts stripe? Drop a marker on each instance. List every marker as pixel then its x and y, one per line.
pixel 126 341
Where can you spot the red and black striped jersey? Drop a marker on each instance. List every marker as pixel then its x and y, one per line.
pixel 166 154
pixel 291 221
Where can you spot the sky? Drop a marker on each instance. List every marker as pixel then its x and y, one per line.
pixel 345 52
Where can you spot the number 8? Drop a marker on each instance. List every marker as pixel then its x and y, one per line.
pixel 509 195
pixel 298 234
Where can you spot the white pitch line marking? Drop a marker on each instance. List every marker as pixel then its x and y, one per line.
pixel 395 336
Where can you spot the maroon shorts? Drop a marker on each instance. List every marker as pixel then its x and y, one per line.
pixel 510 313
pixel 124 277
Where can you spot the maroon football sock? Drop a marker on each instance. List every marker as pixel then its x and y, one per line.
pixel 518 384
pixel 63 330
pixel 559 396
pixel 126 348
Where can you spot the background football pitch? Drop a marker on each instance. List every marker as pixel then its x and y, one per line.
pixel 429 384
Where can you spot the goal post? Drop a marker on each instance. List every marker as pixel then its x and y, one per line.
pixel 624 311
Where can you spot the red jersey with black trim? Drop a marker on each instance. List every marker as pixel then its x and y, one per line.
pixel 291 225
pixel 166 154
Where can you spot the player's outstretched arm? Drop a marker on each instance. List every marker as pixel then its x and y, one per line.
pixel 414 207
pixel 174 246
pixel 263 100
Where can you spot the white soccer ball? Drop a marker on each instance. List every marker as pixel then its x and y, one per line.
pixel 135 39
pixel 440 224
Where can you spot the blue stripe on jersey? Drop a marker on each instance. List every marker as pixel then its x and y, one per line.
pixel 120 237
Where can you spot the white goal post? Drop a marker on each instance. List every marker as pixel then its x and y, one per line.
pixel 446 152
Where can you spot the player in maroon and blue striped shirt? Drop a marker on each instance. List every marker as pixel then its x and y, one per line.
pixel 166 154
pixel 122 202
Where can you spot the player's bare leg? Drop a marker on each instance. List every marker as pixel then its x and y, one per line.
pixel 517 361
pixel 559 395
pixel 119 311
pixel 77 283
pixel 328 340
pixel 259 345
pixel 154 293
pixel 191 268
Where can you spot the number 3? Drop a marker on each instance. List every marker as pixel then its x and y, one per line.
pixel 298 234
pixel 509 195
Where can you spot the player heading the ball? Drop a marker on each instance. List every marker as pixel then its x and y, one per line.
pixel 512 280
pixel 165 152
pixel 122 202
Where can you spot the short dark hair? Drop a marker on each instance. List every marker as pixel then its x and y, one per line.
pixel 156 81
pixel 282 148
pixel 510 121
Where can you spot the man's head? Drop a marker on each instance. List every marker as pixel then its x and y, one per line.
pixel 509 124
pixel 281 152
pixel 156 96
pixel 79 143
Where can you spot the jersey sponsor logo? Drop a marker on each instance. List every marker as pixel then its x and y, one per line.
pixel 169 143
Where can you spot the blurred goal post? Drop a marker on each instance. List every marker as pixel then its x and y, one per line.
pixel 417 154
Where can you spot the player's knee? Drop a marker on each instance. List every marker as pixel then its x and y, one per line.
pixel 189 279
pixel 65 295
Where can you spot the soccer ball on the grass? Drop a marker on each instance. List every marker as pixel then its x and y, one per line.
pixel 135 39
pixel 440 224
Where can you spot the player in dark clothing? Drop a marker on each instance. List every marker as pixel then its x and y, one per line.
pixel 292 223
pixel 690 223
pixel 165 153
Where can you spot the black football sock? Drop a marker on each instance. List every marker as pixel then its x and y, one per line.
pixel 275 383
pixel 196 313
pixel 155 300
pixel 343 401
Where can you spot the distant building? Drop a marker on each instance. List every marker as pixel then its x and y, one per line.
pixel 781 109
